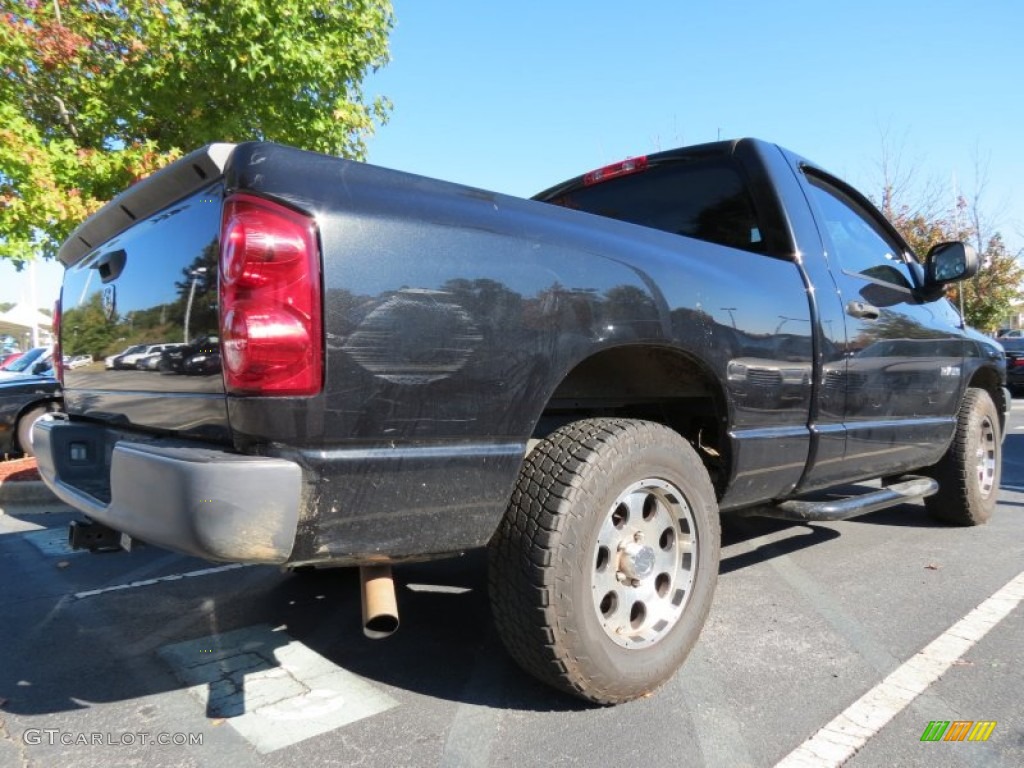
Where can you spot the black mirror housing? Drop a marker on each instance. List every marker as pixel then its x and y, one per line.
pixel 950 263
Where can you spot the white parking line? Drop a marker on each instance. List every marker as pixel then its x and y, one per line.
pixel 842 738
pixel 171 577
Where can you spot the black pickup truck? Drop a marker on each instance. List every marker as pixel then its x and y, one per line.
pixel 409 369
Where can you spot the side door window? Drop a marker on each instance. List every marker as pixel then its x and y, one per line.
pixel 859 242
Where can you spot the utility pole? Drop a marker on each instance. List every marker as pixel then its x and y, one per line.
pixel 195 274
pixel 956 225
pixel 34 302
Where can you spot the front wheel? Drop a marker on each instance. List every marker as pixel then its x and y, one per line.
pixel 603 569
pixel 969 473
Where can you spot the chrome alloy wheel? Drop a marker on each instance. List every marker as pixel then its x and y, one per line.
pixel 985 457
pixel 645 561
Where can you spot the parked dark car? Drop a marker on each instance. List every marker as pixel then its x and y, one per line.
pixel 203 364
pixel 24 399
pixel 150 362
pixel 1014 348
pixel 174 359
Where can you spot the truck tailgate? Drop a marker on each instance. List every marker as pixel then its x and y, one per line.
pixel 151 288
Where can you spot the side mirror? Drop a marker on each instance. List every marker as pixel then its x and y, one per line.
pixel 950 262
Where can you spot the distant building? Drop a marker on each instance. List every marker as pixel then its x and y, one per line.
pixel 28 327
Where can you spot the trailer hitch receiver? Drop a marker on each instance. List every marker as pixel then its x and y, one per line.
pixel 93 536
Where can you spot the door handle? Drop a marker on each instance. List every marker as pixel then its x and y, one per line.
pixel 862 310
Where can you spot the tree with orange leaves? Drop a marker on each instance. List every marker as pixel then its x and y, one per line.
pixel 95 94
pixel 917 212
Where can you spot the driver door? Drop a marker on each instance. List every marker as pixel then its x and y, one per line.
pixel 903 366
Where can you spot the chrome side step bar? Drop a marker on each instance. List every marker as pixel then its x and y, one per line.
pixel 909 488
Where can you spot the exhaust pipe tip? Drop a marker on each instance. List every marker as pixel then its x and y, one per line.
pixel 379 627
pixel 380 606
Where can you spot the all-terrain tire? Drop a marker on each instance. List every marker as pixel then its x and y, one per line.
pixel 969 473
pixel 602 571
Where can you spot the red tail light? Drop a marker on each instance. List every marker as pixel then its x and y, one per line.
pixel 270 318
pixel 615 170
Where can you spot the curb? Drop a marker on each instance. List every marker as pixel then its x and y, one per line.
pixel 26 492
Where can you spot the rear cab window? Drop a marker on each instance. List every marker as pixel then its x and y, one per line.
pixel 705 198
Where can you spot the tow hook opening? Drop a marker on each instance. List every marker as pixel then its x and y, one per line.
pixel 93 536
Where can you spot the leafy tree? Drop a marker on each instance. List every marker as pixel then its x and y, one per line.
pixel 488 302
pixel 95 95
pixel 989 296
pixel 628 303
pixel 86 330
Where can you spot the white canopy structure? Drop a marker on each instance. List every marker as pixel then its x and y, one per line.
pixel 29 326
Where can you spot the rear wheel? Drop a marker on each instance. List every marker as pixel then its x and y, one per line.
pixel 603 569
pixel 969 473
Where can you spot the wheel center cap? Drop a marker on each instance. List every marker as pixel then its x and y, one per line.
pixel 637 561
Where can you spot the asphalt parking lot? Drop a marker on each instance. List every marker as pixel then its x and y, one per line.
pixel 106 655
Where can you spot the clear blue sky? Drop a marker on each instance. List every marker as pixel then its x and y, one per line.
pixel 522 95
pixel 514 97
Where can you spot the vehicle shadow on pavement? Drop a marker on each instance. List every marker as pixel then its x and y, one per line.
pixel 445 647
pixel 1011 504
pixel 738 530
pixel 138 638
pixel 902 516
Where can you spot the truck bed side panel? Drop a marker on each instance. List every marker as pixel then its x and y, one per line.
pixel 451 316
